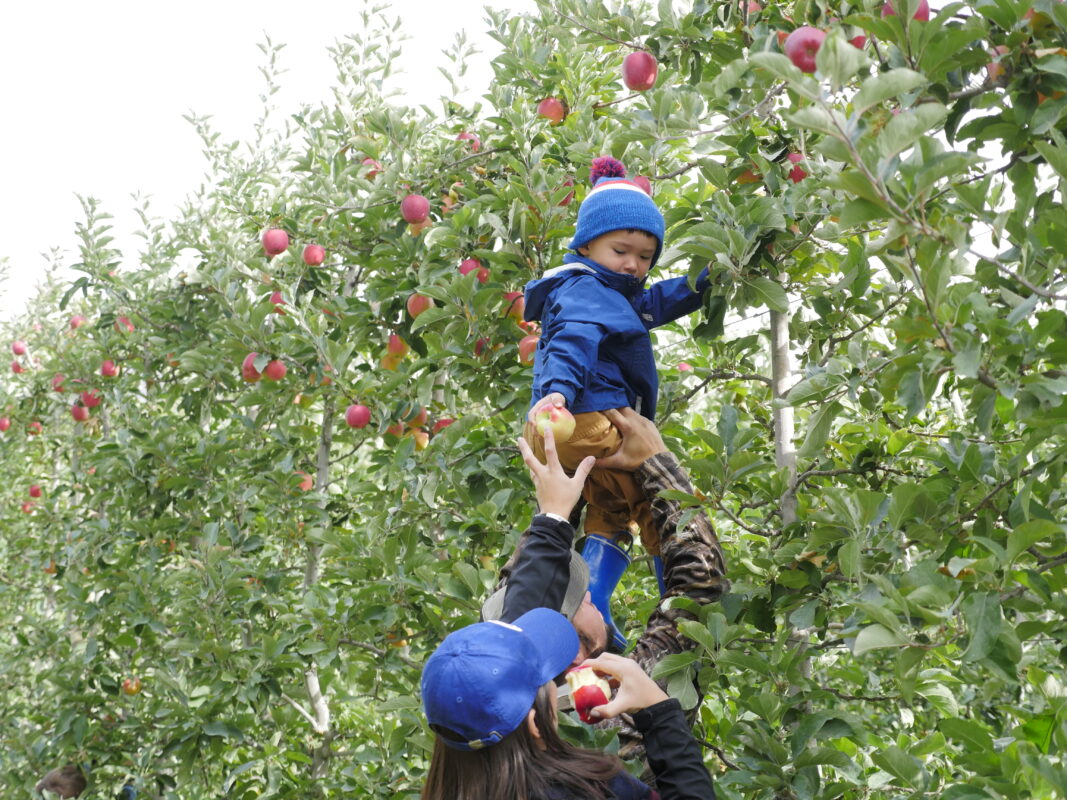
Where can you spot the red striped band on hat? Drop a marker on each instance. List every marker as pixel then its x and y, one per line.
pixel 615 183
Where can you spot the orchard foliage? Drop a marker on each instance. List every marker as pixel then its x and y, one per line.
pixel 892 506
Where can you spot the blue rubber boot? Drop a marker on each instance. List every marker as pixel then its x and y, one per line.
pixel 657 564
pixel 607 562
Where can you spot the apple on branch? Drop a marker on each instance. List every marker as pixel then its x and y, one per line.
pixel 802 45
pixel 248 368
pixel 91 398
pixel 18 348
pixel 797 173
pixel 414 208
pixel 588 690
pixel 109 369
pixel 357 416
pixel 314 255
pixel 275 241
pixel 644 183
pixel 922 13
pixel 549 415
pixel 469 265
pixel 417 303
pixel 275 370
pixel 527 348
pixel 131 685
pixel 123 325
pixel 476 143
pixel 5 423
pixel 639 71
pixel 77 321
pixel 375 167
pixel 79 412
pixel 552 109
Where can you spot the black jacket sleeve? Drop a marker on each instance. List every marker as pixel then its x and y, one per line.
pixel 542 569
pixel 672 753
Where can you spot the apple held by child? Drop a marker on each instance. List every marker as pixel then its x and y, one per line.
pixel 558 418
pixel 588 690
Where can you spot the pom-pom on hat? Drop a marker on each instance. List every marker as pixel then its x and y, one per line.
pixel 482 680
pixel 616 203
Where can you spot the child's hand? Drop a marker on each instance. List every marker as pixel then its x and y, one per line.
pixel 636 689
pixel 557 492
pixel 553 398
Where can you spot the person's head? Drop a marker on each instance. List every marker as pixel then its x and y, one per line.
pixel 617 215
pixel 490 696
pixel 594 637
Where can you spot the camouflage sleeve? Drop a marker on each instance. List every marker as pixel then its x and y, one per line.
pixel 693 567
pixel 693 562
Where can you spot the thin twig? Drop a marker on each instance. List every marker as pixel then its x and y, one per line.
pixel 379 652
pixel 1016 276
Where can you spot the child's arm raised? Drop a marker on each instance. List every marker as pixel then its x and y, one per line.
pixel 671 298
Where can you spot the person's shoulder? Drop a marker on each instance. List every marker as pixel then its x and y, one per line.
pixel 625 786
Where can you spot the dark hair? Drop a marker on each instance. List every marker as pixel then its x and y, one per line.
pixel 515 768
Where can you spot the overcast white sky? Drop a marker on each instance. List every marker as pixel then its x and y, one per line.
pixel 93 95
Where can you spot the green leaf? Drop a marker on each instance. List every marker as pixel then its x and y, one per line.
pixel 905 129
pixel 819 425
pixel 968 732
pixel 1030 533
pixel 770 293
pixel 876 637
pixel 885 86
pixel 823 120
pixel 223 729
pixel 859 212
pixel 981 612
pixel 1054 154
pixel 838 60
pixel 782 68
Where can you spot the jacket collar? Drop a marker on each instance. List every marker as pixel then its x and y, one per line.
pixel 626 285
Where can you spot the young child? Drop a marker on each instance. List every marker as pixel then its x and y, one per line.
pixel 595 353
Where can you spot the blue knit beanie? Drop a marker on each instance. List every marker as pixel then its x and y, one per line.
pixel 616 203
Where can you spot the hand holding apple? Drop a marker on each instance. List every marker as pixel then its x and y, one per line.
pixel 588 690
pixel 636 690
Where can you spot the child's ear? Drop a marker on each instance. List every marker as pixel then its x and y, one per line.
pixel 583 251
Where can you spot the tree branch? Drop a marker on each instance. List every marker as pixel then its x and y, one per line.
pixel 379 652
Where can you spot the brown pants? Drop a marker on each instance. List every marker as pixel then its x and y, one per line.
pixel 614 496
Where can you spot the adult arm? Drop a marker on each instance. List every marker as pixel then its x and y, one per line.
pixel 673 754
pixel 541 571
pixel 669 299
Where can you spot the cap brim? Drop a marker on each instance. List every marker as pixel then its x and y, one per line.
pixel 554 638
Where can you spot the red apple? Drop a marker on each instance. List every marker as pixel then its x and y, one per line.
pixel 481 347
pixel 275 241
pixel 527 348
pixel 109 369
pixel 559 419
pixel 749 176
pixel 357 416
pixel 995 69
pixel 18 348
pixel 375 167
pixel 639 71
pixel 57 382
pixel 859 42
pixel 802 45
pixel 248 368
pixel 390 361
pixel 685 366
pixel 476 143
pixel 275 370
pixel 397 346
pixel 553 110
pixel 418 420
pixel 644 183
pixel 922 13
pixel 5 423
pixel 79 412
pixel 588 690
pixel 397 429
pixel 754 7
pixel 307 483
pixel 418 227
pixel 314 254
pixel 422 439
pixel 278 301
pixel 468 265
pixel 797 173
pixel 34 428
pixel 441 424
pixel 782 36
pixel 77 321
pixel 27 508
pixel 90 398
pixel 515 305
pixel 131 685
pixel 124 324
pixel 35 490
pixel 417 303
pixel 16 367
pixel 415 208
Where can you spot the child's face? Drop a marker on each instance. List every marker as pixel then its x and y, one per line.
pixel 625 252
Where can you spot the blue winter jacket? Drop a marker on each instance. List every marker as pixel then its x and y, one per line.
pixel 595 348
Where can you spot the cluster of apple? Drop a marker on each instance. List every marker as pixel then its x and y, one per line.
pixel 639 72
pixel 802 45
pixel 276 241
pixel 35 493
pixel 274 370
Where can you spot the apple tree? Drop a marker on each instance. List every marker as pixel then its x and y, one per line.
pixel 228 580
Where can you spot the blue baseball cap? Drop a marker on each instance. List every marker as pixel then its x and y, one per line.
pixel 482 680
